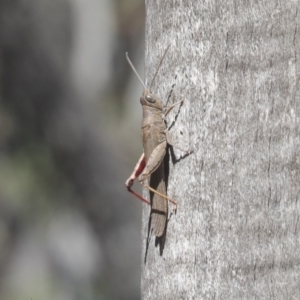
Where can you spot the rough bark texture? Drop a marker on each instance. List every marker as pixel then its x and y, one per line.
pixel 236 231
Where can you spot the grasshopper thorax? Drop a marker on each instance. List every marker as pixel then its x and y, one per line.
pixel 149 99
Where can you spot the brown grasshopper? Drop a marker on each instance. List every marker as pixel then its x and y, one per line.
pixel 155 137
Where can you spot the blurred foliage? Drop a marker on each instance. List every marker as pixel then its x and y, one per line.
pixel 64 232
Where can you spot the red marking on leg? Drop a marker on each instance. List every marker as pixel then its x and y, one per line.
pixel 137 171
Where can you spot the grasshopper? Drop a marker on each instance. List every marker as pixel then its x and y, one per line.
pixel 155 137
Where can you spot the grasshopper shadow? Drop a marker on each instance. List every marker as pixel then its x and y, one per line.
pixel 159 241
pixel 181 157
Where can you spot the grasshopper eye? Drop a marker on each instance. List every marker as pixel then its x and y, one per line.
pixel 150 99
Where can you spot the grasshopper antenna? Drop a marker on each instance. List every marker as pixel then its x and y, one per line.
pixel 159 66
pixel 135 71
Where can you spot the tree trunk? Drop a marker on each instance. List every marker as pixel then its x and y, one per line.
pixel 236 231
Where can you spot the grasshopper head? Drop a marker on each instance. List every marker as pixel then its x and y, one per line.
pixel 149 99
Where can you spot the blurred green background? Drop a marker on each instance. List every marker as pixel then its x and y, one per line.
pixel 69 136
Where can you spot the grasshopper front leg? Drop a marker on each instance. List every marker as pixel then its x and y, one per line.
pixel 169 108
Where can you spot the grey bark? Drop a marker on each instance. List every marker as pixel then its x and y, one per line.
pixel 236 231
